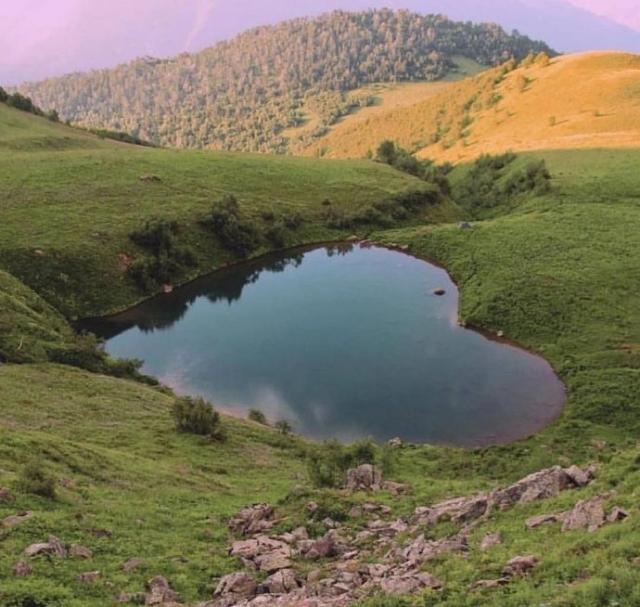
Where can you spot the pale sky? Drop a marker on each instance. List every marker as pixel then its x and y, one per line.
pixel 40 38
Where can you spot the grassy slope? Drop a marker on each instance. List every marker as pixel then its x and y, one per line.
pixel 557 274
pixel 70 200
pixel 579 101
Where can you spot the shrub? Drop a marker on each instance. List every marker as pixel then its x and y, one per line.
pixel 284 427
pixel 236 234
pixel 328 463
pixel 277 234
pixel 34 479
pixel 3 95
pixel 196 416
pixel 255 415
pixel 157 236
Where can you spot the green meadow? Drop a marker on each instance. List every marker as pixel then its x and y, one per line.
pixel 557 273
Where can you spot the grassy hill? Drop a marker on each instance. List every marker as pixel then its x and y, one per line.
pixel 71 200
pixel 555 272
pixel 572 102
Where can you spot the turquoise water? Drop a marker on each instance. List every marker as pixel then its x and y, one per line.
pixel 343 342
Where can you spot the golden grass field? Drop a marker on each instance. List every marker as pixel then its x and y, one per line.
pixel 578 101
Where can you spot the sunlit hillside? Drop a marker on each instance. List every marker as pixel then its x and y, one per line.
pixel 576 101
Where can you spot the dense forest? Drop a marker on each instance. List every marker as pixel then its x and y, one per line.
pixel 242 94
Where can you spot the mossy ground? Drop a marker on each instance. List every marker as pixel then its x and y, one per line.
pixel 557 274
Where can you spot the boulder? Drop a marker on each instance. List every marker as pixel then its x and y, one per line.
pixel 409 583
pixel 323 547
pixel 258 546
pixel 253 519
pixel 88 577
pixel 578 476
pixel 273 561
pixel 544 519
pixel 395 488
pixel 22 569
pixel 53 547
pixel 364 478
pixel 132 565
pixel 160 592
pixel 617 514
pixel 519 565
pixel 239 585
pixel 460 509
pixel 282 582
pixel 16 519
pixel 421 550
pixel 586 514
pixel 490 540
pixel 439 292
pixel 487 584
pixel 80 552
pixel 539 485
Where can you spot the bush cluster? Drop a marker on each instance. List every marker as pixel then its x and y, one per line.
pixel 196 416
pixel 25 104
pixel 236 234
pixel 35 479
pixel 492 181
pixel 168 261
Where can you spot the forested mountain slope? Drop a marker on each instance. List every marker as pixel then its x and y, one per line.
pixel 241 95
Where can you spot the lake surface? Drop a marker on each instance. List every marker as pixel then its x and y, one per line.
pixel 343 342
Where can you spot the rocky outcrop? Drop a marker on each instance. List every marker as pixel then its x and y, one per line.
pixel 252 520
pixel 53 547
pixel 364 478
pixel 586 514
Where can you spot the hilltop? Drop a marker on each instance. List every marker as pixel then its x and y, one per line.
pixel 570 102
pixel 242 94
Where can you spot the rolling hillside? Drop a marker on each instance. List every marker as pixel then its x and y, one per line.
pixel 576 101
pixel 70 202
pixel 243 94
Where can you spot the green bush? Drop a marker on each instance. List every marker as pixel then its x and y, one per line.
pixel 255 415
pixel 196 416
pixel 236 234
pixel 284 427
pixel 34 479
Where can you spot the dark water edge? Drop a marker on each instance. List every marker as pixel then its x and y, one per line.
pixel 351 343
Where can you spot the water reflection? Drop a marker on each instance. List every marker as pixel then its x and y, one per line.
pixel 343 342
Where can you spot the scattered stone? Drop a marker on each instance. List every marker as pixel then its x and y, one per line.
pixel 237 585
pixel 464 225
pixel 101 533
pixel 500 334
pixel 160 592
pixel 460 509
pixel 16 519
pixel 353 238
pixel 580 477
pixel 520 565
pixel 137 598
pixel 312 507
pixel 282 582
pixel 395 488
pixel 149 178
pixel 322 548
pixel 80 552
pixel 487 584
pixel 252 520
pixel 409 583
pixel 89 577
pixel 439 292
pixel 404 247
pixel 22 569
pixel 544 519
pixel 273 561
pixel 39 253
pixel 5 495
pixel 355 512
pixel 364 478
pixel 315 575
pixel 586 514
pixel 490 540
pixel 167 288
pixel 51 548
pixel 132 565
pixel 616 515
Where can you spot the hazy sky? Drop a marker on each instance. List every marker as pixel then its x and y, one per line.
pixel 39 38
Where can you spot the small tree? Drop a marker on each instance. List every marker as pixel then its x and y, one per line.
pixel 284 427
pixel 255 415
pixel 196 416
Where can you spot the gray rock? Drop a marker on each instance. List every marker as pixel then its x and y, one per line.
pixel 89 577
pixel 364 478
pixel 282 582
pixel 487 584
pixel 617 514
pixel 16 519
pixel 80 552
pixel 544 519
pixel 519 565
pixel 253 519
pixel 240 585
pixel 51 548
pixel 586 514
pixel 132 565
pixel 160 592
pixel 22 569
pixel 490 540
pixel 409 583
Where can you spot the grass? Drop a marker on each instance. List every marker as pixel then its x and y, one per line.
pixel 580 101
pixel 556 273
pixel 70 201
